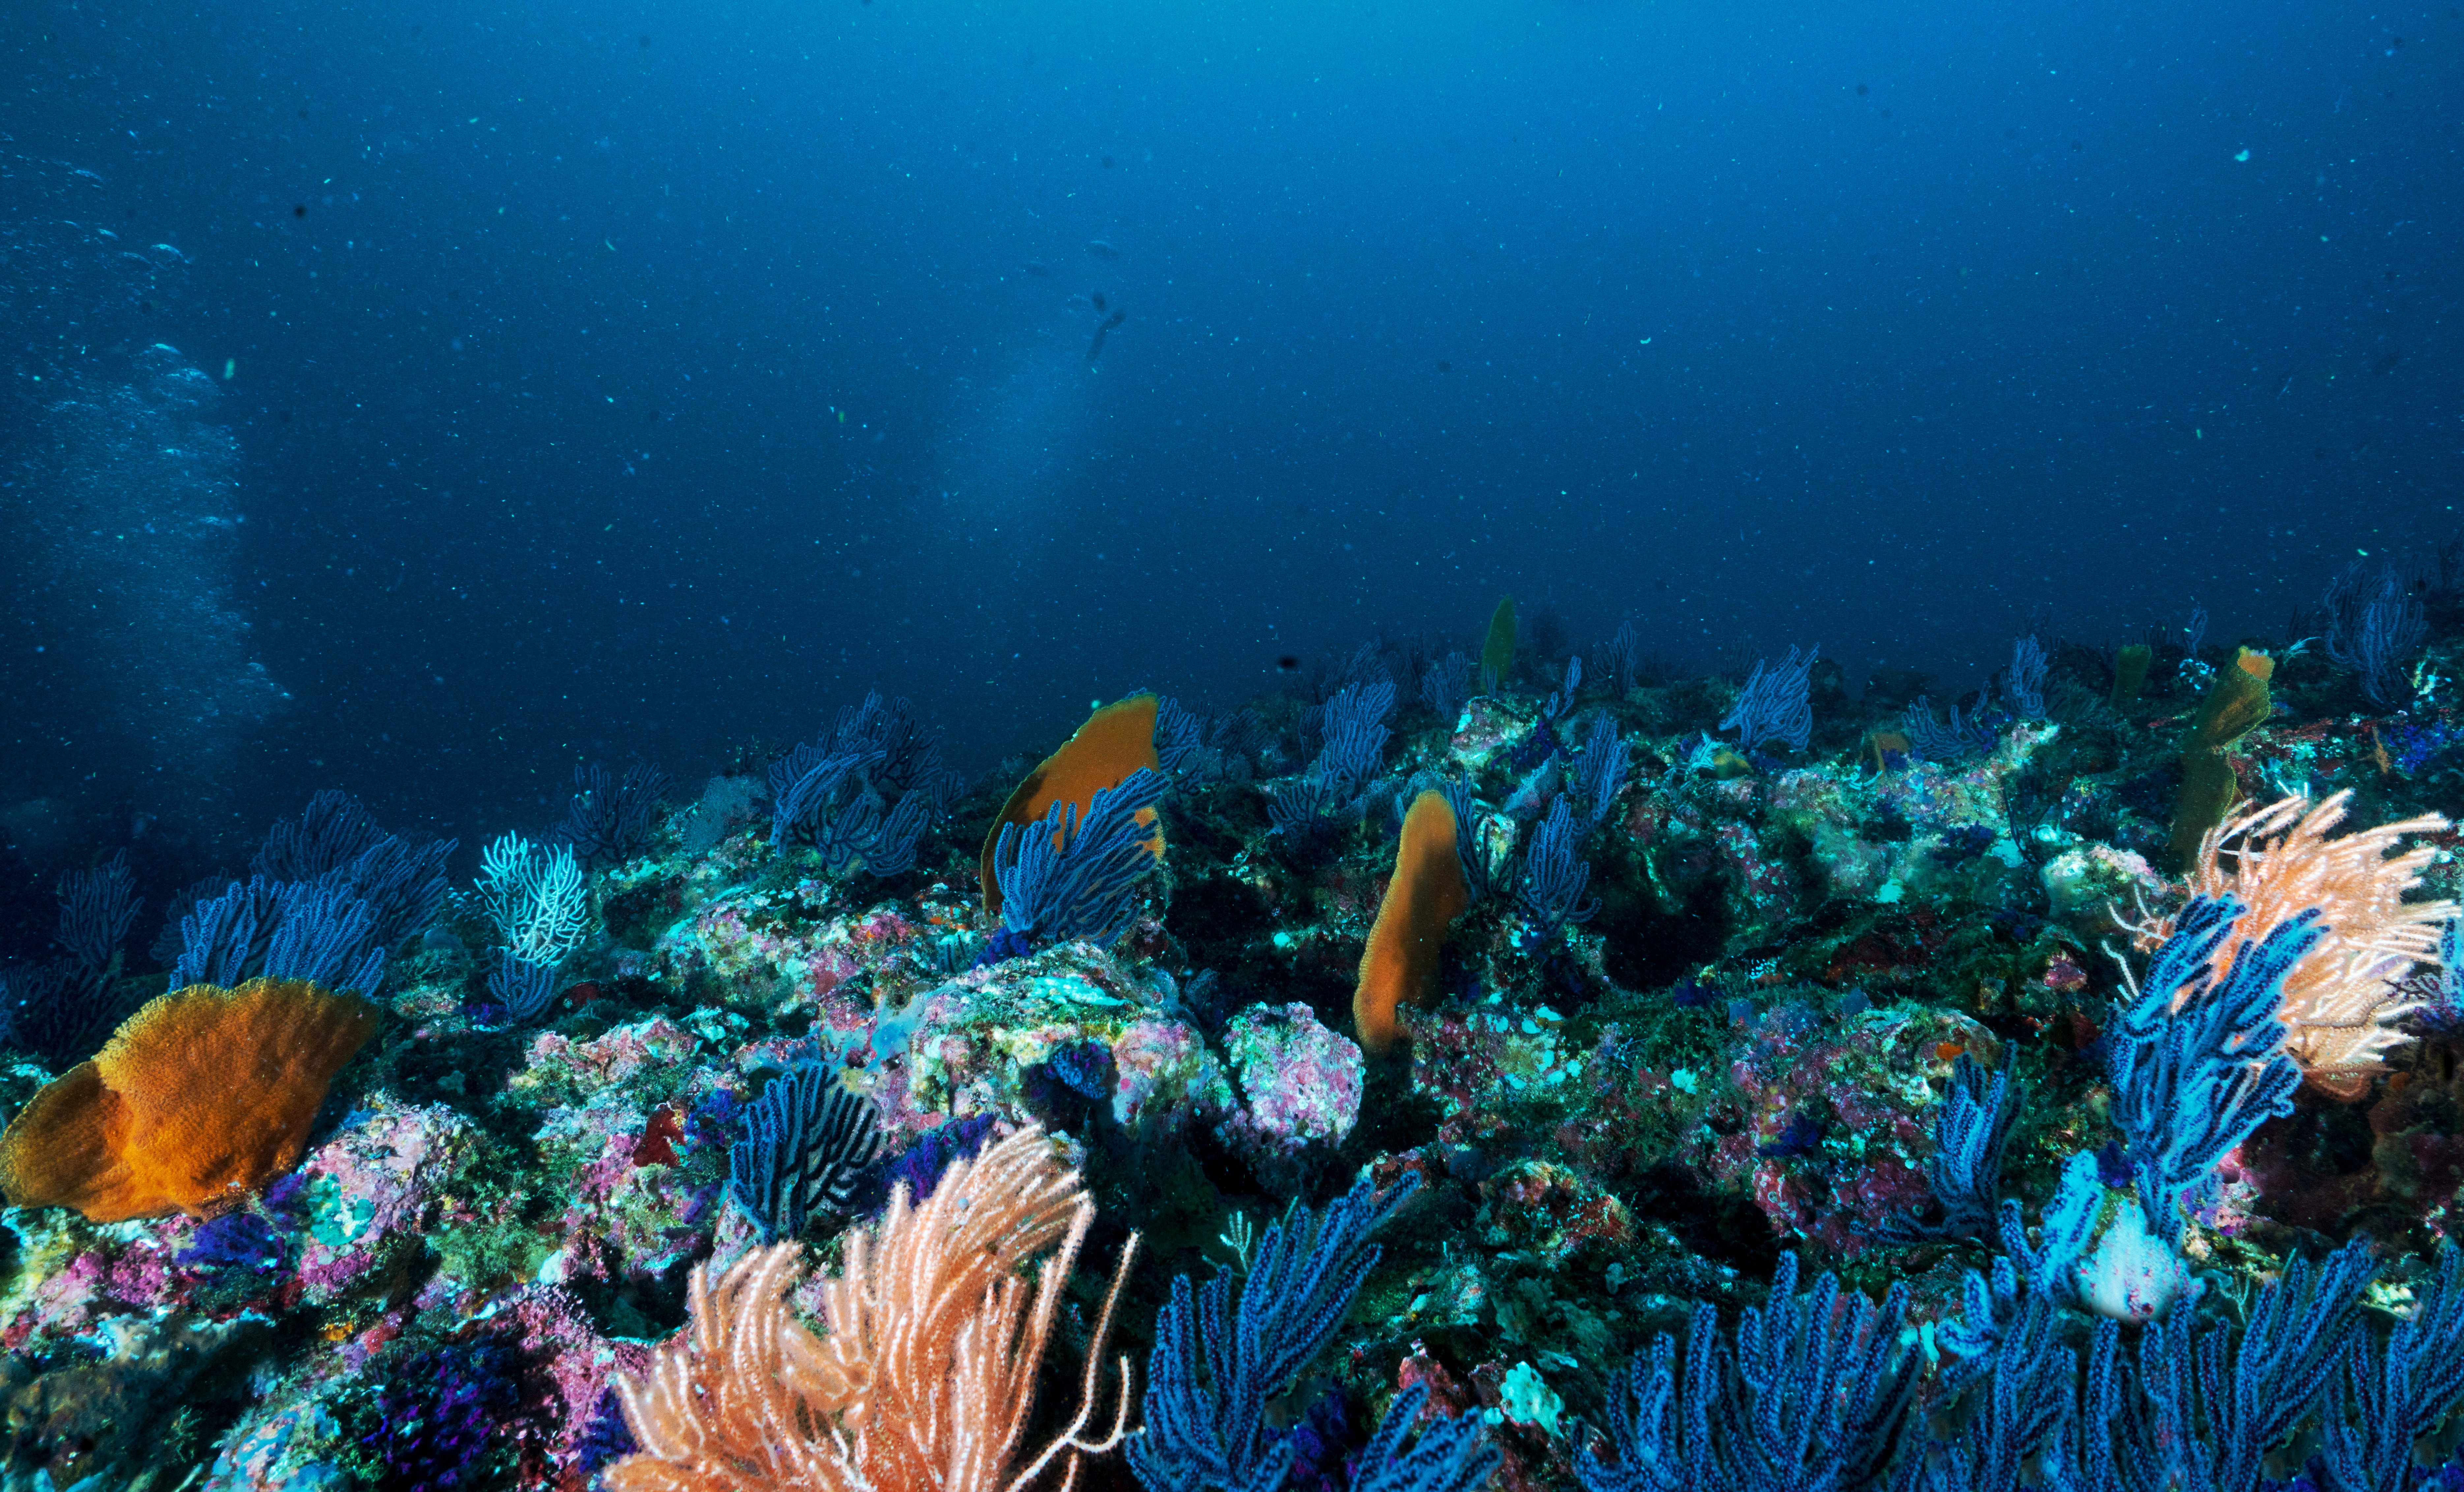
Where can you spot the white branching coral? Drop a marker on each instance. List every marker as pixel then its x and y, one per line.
pixel 926 1378
pixel 537 897
pixel 2340 1001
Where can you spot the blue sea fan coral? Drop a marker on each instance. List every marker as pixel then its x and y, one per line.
pixel 1599 771
pixel 1304 811
pixel 1179 738
pixel 802 1146
pixel 2372 624
pixel 611 819
pixel 1969 735
pixel 1551 889
pixel 1562 698
pixel 336 840
pixel 833 804
pixel 521 990
pixel 2198 1062
pixel 1061 878
pixel 1449 1454
pixel 1221 1356
pixel 1448 686
pixel 1810 1395
pixel 320 931
pixel 97 907
pixel 2217 1408
pixel 865 792
pixel 1355 735
pixel 2016 1405
pixel 1773 706
pixel 2025 680
pixel 1965 1174
pixel 328 938
pixel 2397 1392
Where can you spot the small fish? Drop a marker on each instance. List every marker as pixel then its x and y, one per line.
pixel 1106 330
pixel 1102 250
pixel 1036 268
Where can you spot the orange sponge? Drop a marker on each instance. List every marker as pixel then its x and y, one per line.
pixel 201 1097
pixel 1424 897
pixel 1116 741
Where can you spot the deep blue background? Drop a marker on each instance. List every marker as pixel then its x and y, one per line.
pixel 648 378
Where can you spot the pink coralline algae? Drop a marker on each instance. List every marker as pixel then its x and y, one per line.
pixel 1839 1118
pixel 1486 1066
pixel 977 1033
pixel 97 1284
pixel 759 946
pixel 560 1067
pixel 641 1192
pixel 553 1327
pixel 1934 810
pixel 2087 883
pixel 1299 1081
pixel 1490 725
pixel 1163 1073
pixel 374 1190
pixel 1548 1212
pixel 1689 842
pixel 1629 1111
pixel 281 1448
pixel 627 1220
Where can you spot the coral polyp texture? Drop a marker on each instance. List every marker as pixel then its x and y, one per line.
pixel 1524 1071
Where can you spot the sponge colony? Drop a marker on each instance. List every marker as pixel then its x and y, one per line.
pixel 1422 900
pixel 201 1097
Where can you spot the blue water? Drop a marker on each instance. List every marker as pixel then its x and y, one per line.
pixel 564 381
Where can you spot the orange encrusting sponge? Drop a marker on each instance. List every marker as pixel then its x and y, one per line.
pixel 201 1097
pixel 1116 740
pixel 1424 897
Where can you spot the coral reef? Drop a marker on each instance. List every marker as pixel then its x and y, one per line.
pixel 1654 1063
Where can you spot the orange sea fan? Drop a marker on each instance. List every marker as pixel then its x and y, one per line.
pixel 197 1100
pixel 926 1379
pixel 2339 1001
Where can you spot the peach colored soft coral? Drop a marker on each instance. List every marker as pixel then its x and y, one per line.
pixel 2341 999
pixel 926 1379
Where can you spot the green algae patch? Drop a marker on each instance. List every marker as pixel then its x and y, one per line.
pixel 2235 704
pixel 2130 674
pixel 1497 653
